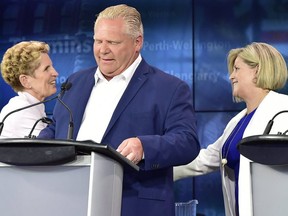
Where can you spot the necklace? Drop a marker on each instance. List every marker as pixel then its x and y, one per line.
pixel 224 160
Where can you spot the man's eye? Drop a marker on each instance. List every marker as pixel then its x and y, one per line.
pixel 114 42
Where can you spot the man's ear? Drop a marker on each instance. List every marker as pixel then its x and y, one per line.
pixel 139 43
pixel 25 81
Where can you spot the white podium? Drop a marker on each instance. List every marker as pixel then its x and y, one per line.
pixel 269 173
pixel 58 181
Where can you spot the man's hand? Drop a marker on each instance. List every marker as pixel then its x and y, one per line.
pixel 131 149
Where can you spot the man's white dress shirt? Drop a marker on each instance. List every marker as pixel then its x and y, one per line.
pixel 103 100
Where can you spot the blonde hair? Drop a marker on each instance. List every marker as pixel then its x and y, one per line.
pixel 22 58
pixel 271 66
pixel 130 15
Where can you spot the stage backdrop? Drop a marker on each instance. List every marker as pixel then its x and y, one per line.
pixel 187 38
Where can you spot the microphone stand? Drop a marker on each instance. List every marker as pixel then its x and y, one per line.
pixel 270 123
pixel 65 87
pixel 22 108
pixel 71 122
pixel 44 120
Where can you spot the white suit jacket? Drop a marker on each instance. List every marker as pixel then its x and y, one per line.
pixel 209 159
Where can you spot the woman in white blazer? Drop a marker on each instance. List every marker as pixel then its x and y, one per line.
pixel 255 71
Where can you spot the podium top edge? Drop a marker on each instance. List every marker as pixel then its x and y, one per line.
pixel 264 138
pixel 46 141
pixel 86 146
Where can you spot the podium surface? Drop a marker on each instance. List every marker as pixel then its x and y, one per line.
pixel 265 149
pixel 88 184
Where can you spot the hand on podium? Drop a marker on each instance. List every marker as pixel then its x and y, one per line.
pixel 131 149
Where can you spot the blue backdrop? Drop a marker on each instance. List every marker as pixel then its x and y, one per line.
pixel 187 38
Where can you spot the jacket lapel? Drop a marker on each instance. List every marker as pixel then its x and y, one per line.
pixel 137 81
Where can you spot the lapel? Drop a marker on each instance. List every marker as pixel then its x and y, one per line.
pixel 232 124
pixel 137 81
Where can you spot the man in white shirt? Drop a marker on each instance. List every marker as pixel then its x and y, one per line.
pixel 144 113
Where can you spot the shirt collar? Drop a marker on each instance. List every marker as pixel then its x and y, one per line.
pixel 28 96
pixel 126 74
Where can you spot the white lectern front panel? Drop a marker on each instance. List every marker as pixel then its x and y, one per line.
pixel 269 189
pixel 44 191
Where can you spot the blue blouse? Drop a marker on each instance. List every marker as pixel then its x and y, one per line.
pixel 230 151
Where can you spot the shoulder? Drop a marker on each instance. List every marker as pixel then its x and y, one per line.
pixel 275 98
pixel 88 72
pixel 83 78
pixel 154 74
pixel 15 103
pixel 277 95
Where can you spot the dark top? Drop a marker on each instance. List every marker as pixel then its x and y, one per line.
pixel 231 153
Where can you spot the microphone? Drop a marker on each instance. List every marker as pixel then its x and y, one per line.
pixel 64 87
pixel 270 123
pixel 44 120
